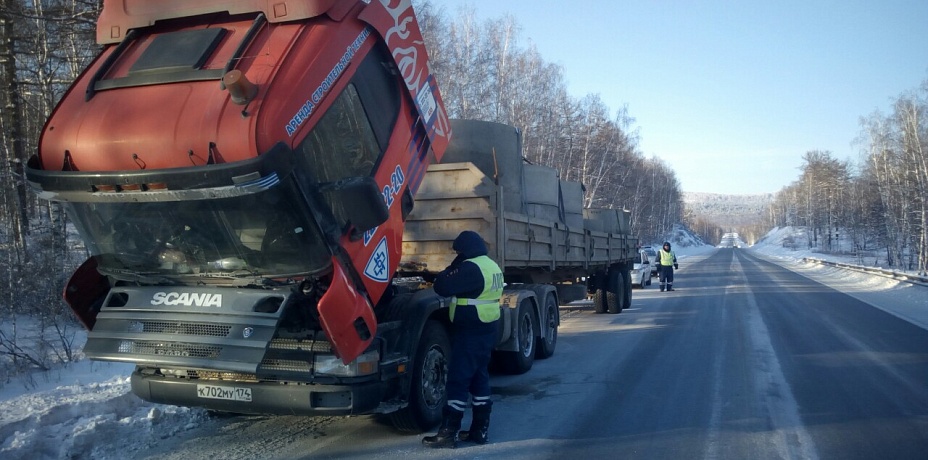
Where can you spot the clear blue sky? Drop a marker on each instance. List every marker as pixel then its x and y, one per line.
pixel 731 94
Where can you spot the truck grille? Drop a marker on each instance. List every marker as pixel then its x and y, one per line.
pixel 268 366
pixel 285 365
pixel 180 327
pixel 301 345
pixel 141 347
pixel 226 376
pixel 231 339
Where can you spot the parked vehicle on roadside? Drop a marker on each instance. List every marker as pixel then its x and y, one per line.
pixel 641 270
pixel 652 257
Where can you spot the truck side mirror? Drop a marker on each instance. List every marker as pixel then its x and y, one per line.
pixel 357 203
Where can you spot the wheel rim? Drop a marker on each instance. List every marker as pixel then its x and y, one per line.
pixel 434 377
pixel 551 323
pixel 527 338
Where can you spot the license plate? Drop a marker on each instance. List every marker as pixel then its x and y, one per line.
pixel 226 393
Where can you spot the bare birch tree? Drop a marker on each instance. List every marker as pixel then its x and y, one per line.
pixel 485 75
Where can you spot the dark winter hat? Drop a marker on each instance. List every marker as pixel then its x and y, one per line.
pixel 666 244
pixel 470 244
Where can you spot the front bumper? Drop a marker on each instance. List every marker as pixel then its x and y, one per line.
pixel 280 398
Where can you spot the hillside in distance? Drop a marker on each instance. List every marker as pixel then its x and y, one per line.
pixel 728 211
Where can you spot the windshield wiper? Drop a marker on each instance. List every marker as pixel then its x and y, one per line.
pixel 136 277
pixel 237 278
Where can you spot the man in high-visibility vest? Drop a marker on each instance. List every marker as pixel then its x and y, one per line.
pixel 475 284
pixel 668 262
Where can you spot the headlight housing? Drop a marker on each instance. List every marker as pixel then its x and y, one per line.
pixel 366 364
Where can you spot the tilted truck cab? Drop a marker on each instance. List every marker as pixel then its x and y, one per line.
pixel 240 172
pixel 256 183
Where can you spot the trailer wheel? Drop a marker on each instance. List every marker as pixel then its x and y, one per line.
pixel 519 362
pixel 599 301
pixel 627 278
pixel 427 395
pixel 615 295
pixel 546 344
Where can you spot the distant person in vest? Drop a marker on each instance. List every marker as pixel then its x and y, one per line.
pixel 668 262
pixel 475 284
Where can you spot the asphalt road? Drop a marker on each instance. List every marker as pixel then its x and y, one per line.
pixel 743 360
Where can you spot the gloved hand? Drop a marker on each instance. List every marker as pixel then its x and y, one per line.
pixel 676 267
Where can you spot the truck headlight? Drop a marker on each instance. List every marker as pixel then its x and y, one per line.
pixel 366 364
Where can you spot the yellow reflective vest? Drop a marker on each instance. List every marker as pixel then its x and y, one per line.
pixel 668 258
pixel 487 302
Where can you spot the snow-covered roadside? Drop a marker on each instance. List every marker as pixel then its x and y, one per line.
pixel 900 298
pixel 85 410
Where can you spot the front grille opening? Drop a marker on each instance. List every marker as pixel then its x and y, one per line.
pixel 224 376
pixel 183 328
pixel 301 345
pixel 285 365
pixel 172 349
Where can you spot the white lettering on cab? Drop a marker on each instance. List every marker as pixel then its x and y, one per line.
pixel 188 299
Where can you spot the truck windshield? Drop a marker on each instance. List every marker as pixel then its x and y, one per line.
pixel 260 235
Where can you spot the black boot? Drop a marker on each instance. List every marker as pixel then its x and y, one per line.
pixel 447 433
pixel 669 287
pixel 479 427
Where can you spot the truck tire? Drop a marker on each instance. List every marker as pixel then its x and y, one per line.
pixel 627 277
pixel 599 301
pixel 615 295
pixel 519 362
pixel 547 344
pixel 427 394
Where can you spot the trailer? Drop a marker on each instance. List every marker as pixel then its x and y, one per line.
pixel 533 222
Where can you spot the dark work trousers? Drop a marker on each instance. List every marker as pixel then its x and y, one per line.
pixel 666 274
pixel 472 341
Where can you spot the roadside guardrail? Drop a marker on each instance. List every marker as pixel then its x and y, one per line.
pixel 907 277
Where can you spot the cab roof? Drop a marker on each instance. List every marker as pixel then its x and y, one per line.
pixel 119 16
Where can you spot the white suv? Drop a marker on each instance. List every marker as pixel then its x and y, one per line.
pixel 641 270
pixel 652 257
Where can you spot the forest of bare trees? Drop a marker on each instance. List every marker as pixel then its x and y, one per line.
pixel 43 47
pixel 485 74
pixel 882 204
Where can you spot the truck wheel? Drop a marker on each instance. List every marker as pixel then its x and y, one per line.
pixel 615 295
pixel 627 278
pixel 519 362
pixel 546 345
pixel 599 301
pixel 427 395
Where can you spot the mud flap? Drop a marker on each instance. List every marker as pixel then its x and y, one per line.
pixel 347 317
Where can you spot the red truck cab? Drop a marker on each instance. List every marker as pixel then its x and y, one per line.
pixel 240 172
